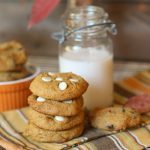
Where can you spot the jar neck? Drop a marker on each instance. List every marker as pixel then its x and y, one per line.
pixel 86 22
pixel 88 36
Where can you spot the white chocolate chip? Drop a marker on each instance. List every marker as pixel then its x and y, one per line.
pixel 74 80
pixel 68 102
pixel 62 86
pixel 75 148
pixel 50 73
pixel 40 99
pixel 59 118
pixel 65 145
pixel 59 79
pixel 84 139
pixel 46 79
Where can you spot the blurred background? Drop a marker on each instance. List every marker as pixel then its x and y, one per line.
pixel 132 43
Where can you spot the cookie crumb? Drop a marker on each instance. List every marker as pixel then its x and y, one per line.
pixel 84 139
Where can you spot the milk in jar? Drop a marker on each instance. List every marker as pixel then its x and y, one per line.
pixel 97 70
pixel 88 53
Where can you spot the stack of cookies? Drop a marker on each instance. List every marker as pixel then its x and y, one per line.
pixel 56 107
pixel 12 61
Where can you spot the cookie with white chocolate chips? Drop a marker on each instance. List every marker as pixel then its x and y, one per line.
pixel 54 123
pixel 59 86
pixel 59 108
pixel 42 135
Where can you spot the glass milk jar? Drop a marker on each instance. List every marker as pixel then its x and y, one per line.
pixel 87 51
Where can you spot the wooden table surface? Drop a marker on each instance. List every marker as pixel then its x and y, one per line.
pixel 132 19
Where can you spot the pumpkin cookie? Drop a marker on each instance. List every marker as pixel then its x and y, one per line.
pixel 55 123
pixel 42 135
pixel 12 54
pixel 59 108
pixel 59 86
pixel 115 118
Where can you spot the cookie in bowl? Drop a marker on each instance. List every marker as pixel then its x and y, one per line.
pixel 12 55
pixel 14 94
pixel 14 75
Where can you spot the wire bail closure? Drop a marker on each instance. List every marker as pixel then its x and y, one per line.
pixel 63 36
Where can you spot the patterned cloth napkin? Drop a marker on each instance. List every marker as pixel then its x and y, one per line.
pixel 12 123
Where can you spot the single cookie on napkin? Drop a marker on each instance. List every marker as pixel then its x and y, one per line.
pixel 115 118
